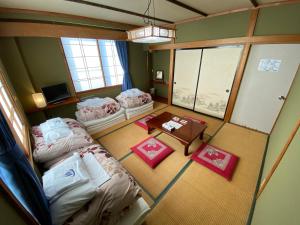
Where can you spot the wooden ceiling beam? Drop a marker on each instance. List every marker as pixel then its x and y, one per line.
pixel 254 3
pixel 185 6
pixel 269 39
pixel 110 24
pixel 26 29
pixel 118 10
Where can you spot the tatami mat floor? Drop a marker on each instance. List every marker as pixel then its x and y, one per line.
pixel 180 191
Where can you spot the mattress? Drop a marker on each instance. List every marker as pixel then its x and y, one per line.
pixel 95 126
pixel 113 197
pixel 44 153
pixel 137 213
pixel 131 112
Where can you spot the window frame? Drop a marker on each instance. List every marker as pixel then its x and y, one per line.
pixel 26 144
pixel 90 91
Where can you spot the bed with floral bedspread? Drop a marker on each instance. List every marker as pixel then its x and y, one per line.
pixel 49 154
pixel 133 98
pixel 113 198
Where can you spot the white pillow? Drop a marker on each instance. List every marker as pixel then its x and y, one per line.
pixel 55 181
pixel 71 202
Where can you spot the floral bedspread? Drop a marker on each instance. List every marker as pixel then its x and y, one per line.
pixel 112 198
pixel 88 113
pixel 134 101
pixel 43 153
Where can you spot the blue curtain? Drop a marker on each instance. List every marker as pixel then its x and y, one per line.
pixel 123 56
pixel 19 177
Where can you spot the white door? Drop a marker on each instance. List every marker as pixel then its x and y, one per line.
pixel 218 68
pixel 186 72
pixel 267 79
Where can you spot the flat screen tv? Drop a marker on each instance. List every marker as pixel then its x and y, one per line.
pixel 56 93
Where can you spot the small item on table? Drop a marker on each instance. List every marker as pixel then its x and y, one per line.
pixel 175 118
pixel 183 122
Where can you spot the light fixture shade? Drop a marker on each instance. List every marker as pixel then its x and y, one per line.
pixel 39 100
pixel 151 34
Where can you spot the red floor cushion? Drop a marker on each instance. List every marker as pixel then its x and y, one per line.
pixel 216 159
pixel 152 151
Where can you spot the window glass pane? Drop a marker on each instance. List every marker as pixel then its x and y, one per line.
pixel 6 98
pixel 85 66
pixel 97 83
pixel 70 41
pixel 18 121
pixel 95 73
pixel 113 80
pixel 92 61
pixel 90 51
pixel 5 106
pixel 87 41
pixel 75 63
pixel 73 50
pixel 82 85
pixel 79 74
pixel 18 131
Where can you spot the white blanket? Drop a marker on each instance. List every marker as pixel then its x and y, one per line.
pixel 54 129
pixel 65 177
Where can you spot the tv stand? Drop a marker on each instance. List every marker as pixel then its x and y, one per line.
pixel 67 101
pixel 58 102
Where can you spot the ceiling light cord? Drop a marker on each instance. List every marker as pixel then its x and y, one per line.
pixel 147 20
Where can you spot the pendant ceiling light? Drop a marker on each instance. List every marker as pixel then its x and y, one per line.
pixel 151 33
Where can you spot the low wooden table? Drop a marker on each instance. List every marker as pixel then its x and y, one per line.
pixel 185 134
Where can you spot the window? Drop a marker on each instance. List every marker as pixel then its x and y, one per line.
pixel 92 63
pixel 14 118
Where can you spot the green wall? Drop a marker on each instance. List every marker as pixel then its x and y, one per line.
pixel 287 119
pixel 284 19
pixel 35 62
pixel 161 61
pixel 226 26
pixel 8 213
pixel 279 203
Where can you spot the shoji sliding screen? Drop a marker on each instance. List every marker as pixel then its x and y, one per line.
pixel 218 68
pixel 186 72
pixel 203 78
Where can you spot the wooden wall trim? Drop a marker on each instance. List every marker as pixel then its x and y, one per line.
pixel 278 160
pixel 20 29
pixel 271 39
pixel 266 5
pixel 171 74
pixel 241 68
pixel 237 82
pixel 63 15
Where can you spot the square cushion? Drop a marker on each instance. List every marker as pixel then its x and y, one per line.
pixel 152 151
pixel 216 159
pixel 143 122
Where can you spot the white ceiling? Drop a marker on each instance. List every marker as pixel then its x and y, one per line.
pixel 163 9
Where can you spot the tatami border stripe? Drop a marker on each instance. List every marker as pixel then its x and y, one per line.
pixel 251 212
pixel 172 182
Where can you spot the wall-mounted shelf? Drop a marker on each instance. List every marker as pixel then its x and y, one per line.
pixel 64 102
pixel 162 82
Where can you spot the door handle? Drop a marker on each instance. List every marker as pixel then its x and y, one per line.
pixel 174 82
pixel 227 90
pixel 281 97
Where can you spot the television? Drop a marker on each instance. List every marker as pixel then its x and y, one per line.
pixel 56 93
